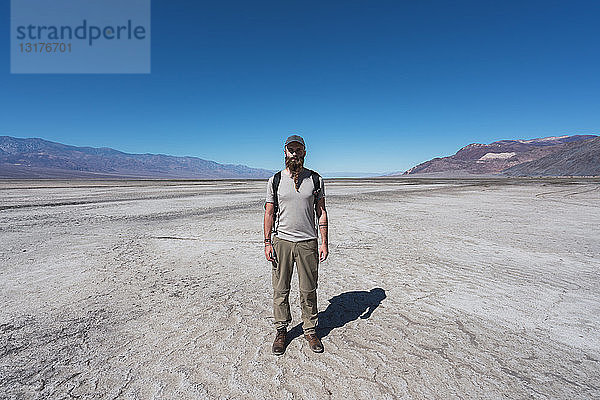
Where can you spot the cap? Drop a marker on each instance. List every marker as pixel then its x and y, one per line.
pixel 294 138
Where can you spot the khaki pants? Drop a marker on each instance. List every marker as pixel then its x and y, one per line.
pixel 306 256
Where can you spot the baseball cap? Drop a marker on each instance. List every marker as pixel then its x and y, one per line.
pixel 294 138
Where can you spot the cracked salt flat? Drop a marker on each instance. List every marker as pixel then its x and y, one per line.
pixel 160 290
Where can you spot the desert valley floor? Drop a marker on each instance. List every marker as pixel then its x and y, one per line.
pixel 434 289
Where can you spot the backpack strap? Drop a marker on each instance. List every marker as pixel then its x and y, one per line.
pixel 275 186
pixel 316 184
pixel 276 180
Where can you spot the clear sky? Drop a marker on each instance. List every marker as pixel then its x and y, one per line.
pixel 373 86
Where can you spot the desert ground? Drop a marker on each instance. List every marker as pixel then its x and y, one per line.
pixel 434 289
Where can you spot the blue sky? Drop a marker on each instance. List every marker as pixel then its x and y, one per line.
pixel 373 86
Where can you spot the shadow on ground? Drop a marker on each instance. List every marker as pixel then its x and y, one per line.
pixel 343 308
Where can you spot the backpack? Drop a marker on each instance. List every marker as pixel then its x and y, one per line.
pixel 277 178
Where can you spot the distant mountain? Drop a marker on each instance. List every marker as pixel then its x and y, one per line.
pixel 581 158
pixel 493 158
pixel 38 158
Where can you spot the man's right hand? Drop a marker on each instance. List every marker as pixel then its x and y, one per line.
pixel 269 252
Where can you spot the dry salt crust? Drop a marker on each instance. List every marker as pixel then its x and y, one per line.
pixel 159 290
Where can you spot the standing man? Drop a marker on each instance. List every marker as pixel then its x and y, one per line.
pixel 294 196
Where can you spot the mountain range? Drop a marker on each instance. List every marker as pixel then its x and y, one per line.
pixel 34 158
pixel 581 158
pixel 575 155
pixel 39 158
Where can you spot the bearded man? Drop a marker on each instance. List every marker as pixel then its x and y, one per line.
pixel 294 196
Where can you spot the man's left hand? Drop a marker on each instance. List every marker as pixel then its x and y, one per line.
pixel 323 252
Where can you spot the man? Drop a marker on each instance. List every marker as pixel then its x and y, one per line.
pixel 299 194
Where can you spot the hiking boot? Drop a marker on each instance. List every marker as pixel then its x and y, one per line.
pixel 314 342
pixel 279 343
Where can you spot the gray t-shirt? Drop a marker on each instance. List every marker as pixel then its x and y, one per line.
pixel 295 220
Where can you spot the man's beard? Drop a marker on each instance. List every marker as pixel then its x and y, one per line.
pixel 295 165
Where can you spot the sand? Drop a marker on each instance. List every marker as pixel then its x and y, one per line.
pixel 434 289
